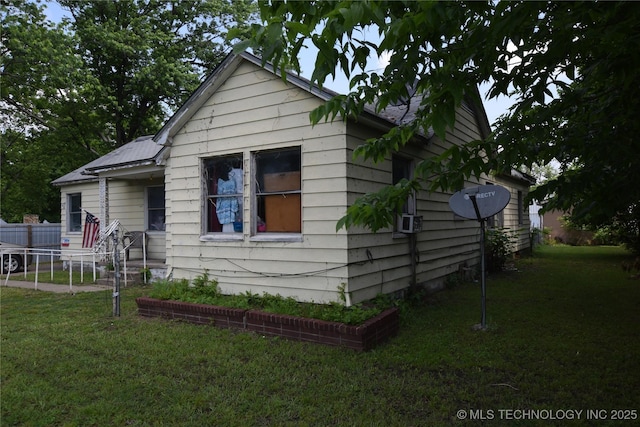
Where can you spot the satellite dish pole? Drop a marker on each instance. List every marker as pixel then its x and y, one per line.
pixel 483 320
pixel 486 201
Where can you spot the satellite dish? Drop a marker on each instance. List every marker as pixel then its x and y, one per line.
pixel 490 199
pixel 479 203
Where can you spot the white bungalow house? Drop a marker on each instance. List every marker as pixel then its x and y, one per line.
pixel 238 184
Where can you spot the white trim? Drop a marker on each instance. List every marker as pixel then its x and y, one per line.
pixel 68 209
pixel 222 237
pixel 276 237
pixel 133 170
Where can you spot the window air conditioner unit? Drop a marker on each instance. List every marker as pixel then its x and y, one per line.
pixel 411 224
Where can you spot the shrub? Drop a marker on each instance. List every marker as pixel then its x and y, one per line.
pixel 498 246
pixel 169 289
pixel 205 291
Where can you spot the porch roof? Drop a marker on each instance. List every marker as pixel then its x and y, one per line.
pixel 138 155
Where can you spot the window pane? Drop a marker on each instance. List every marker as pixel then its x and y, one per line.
pixel 223 180
pixel 520 208
pixel 402 169
pixel 155 206
pixel 278 192
pixel 155 197
pixel 75 212
pixel 497 220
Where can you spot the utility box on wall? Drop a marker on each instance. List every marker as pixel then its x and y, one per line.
pixel 411 224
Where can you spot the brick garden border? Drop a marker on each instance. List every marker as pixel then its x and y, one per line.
pixel 357 337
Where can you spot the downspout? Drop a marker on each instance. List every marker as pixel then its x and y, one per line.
pixel 412 253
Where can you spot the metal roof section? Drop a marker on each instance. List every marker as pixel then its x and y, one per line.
pixel 75 176
pixel 139 151
pixel 403 111
pixel 138 154
pixel 520 176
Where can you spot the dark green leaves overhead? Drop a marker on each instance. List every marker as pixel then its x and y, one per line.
pixel 570 67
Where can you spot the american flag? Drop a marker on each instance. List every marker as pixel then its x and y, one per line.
pixel 91 230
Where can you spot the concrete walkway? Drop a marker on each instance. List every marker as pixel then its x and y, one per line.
pixel 51 287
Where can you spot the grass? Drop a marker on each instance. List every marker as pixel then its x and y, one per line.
pixel 563 335
pixel 60 277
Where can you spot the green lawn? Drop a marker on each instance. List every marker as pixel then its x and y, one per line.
pixel 563 335
pixel 60 276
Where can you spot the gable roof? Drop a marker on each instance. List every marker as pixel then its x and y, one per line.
pixel 214 81
pixel 390 116
pixel 140 152
pixel 150 149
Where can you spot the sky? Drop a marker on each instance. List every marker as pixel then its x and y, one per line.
pixel 494 107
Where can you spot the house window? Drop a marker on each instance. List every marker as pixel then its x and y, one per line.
pixel 402 168
pixel 520 208
pixel 497 220
pixel 278 191
pixel 223 182
pixel 155 208
pixel 74 212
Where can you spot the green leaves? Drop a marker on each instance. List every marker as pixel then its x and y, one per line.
pixel 569 67
pixel 111 72
pixel 378 210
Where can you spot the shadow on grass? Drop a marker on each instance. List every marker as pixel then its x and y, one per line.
pixel 563 333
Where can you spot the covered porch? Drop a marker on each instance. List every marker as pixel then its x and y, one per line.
pixel 127 186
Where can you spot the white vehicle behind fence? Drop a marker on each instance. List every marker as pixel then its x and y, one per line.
pixel 14 257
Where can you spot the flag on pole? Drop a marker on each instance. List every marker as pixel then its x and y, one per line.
pixel 91 231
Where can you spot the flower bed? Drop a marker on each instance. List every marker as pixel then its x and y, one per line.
pixel 359 337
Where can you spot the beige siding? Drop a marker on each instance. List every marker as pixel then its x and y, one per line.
pixel 90 202
pixel 254 110
pixel 126 201
pixel 445 246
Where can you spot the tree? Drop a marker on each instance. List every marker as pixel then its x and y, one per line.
pixel 147 56
pixel 42 136
pixel 569 66
pixel 108 73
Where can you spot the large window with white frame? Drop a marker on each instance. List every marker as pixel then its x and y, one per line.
pixel 74 212
pixel 278 191
pixel 223 188
pixel 402 168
